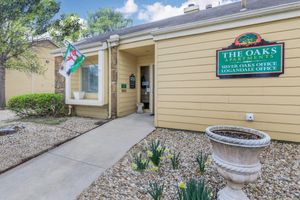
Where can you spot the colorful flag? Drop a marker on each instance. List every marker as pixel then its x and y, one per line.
pixel 72 60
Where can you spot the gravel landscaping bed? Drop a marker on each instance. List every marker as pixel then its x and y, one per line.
pixel 35 137
pixel 6 115
pixel 280 178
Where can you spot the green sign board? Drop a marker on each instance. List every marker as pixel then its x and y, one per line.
pixel 123 86
pixel 267 60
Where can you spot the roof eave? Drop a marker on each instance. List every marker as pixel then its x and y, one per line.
pixel 158 34
pixel 180 30
pixel 58 52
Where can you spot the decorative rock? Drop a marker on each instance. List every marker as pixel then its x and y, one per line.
pixel 116 180
pixel 10 129
pixel 30 139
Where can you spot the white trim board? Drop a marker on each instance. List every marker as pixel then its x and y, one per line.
pixel 243 18
pixel 89 102
pixel 228 22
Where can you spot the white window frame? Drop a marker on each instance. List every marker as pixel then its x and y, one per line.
pixel 89 102
pixel 80 78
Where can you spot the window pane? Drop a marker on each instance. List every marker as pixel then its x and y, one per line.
pixel 89 78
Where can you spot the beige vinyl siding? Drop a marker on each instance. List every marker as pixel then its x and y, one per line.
pixel 19 83
pixel 190 96
pixel 145 60
pixel 126 99
pixel 92 111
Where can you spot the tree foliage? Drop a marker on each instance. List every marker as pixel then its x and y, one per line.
pixel 69 27
pixel 21 21
pixel 105 20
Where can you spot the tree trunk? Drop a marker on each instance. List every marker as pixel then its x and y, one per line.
pixel 2 86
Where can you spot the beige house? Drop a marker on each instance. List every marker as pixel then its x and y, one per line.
pixel 18 83
pixel 174 62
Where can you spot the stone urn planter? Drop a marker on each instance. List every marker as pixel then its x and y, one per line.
pixel 236 155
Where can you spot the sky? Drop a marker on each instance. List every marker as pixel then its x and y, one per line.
pixel 141 11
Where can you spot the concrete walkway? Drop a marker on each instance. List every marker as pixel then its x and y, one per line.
pixel 63 173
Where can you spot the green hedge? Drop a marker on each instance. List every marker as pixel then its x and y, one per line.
pixel 37 105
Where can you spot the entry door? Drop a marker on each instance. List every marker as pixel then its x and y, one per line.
pixel 145 86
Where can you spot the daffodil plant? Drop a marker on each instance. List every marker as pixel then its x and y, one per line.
pixel 155 190
pixel 175 160
pixel 157 151
pixel 139 163
pixel 194 190
pixel 202 160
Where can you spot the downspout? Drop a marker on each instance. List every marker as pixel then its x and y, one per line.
pixel 31 76
pixel 109 79
pixel 70 110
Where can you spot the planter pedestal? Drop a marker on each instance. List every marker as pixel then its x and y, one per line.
pixel 232 191
pixel 236 159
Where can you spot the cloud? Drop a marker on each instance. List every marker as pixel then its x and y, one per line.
pixel 129 8
pixel 158 11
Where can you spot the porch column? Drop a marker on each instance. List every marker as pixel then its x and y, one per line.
pixel 59 80
pixel 114 42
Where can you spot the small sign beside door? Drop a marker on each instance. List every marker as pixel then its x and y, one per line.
pixel 132 81
pixel 123 87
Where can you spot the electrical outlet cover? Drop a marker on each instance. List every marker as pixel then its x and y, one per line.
pixel 249 116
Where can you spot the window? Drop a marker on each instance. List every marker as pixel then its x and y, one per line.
pixel 89 78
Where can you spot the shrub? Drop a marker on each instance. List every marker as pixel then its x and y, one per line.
pixel 37 105
pixel 156 152
pixel 201 160
pixel 139 164
pixel 194 190
pixel 155 190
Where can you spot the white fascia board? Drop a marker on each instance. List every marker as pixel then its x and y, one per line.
pixel 101 77
pixel 236 20
pixel 240 19
pixel 83 48
pixel 83 102
pixel 138 36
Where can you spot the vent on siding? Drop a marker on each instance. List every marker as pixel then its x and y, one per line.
pixel 191 8
pixel 243 5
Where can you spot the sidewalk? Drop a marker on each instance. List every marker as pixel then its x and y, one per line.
pixel 6 115
pixel 63 173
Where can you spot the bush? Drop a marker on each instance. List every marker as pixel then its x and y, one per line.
pixel 37 105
